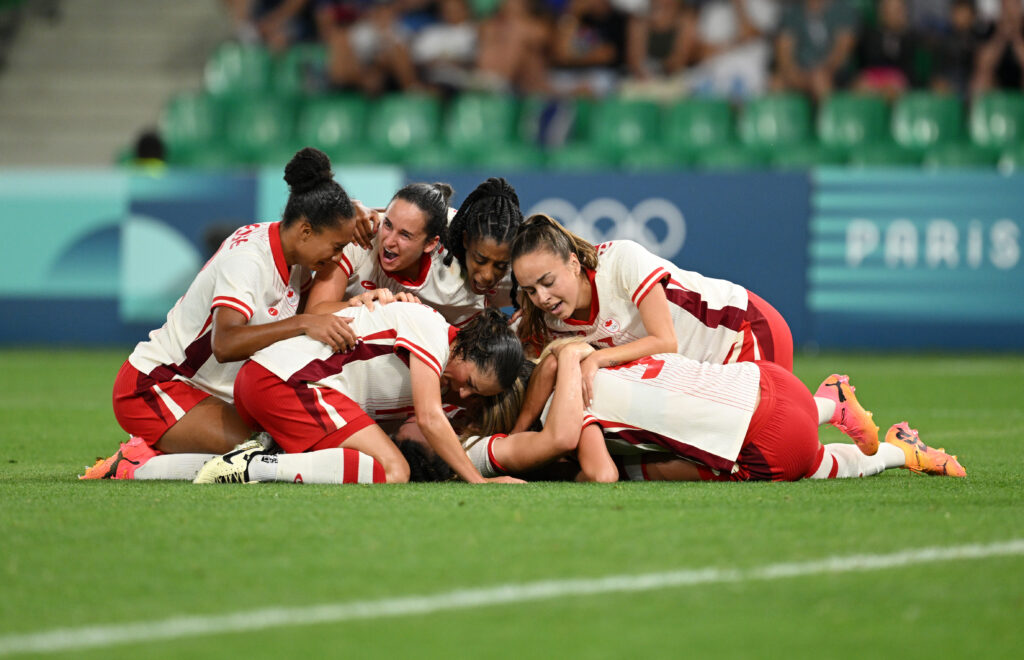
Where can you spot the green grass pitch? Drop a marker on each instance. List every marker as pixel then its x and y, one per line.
pixel 81 554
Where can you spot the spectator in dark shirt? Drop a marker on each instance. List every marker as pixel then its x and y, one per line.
pixel 1000 59
pixel 953 53
pixel 816 39
pixel 888 51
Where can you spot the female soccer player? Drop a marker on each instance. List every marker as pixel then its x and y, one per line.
pixel 325 403
pixel 677 419
pixel 630 303
pixel 174 393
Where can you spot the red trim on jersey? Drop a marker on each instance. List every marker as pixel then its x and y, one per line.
pixel 421 276
pixel 206 324
pixel 346 266
pixel 645 287
pixel 466 321
pixel 691 301
pixel 595 304
pixel 383 334
pixel 421 353
pixel 642 436
pixel 276 249
pixel 490 451
pixel 233 303
pixel 452 332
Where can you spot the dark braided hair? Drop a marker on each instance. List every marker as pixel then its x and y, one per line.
pixel 490 211
pixel 489 343
pixel 314 194
pixel 432 199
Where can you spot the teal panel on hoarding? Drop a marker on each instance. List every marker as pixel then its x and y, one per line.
pixel 944 247
pixel 372 185
pixel 149 287
pixel 61 233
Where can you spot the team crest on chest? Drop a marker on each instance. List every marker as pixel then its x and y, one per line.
pixel 611 325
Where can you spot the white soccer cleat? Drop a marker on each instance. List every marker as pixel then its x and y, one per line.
pixel 232 467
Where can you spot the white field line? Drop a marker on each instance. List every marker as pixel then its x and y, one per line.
pixel 73 639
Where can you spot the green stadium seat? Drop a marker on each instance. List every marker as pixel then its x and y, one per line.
pixel 332 122
pixel 475 123
pixel 189 122
pixel 622 125
pixel 236 69
pixel 580 157
pixel 849 120
pixel 655 159
pixel 404 123
pixel 806 156
pixel 727 158
pixel 1012 160
pixel 883 154
pixel 514 156
pixel 774 121
pixel 300 71
pixel 959 156
pixel 257 128
pixel 921 120
pixel 437 158
pixel 537 112
pixel 697 124
pixel 997 120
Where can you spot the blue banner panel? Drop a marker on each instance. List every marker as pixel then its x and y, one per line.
pixel 910 259
pixel 749 228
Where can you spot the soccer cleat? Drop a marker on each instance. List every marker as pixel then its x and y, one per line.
pixel 123 463
pixel 849 416
pixel 232 467
pixel 920 457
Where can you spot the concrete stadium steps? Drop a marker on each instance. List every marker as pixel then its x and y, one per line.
pixel 77 91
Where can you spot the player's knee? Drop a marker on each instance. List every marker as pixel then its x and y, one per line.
pixel 396 471
pixel 605 474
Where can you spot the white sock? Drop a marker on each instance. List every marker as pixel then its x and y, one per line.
pixel 481 456
pixel 892 455
pixel 849 462
pixel 826 408
pixel 172 467
pixel 327 466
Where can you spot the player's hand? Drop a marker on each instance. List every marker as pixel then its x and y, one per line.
pixel 587 370
pixel 503 480
pixel 367 220
pixel 404 296
pixel 516 315
pixel 574 350
pixel 331 330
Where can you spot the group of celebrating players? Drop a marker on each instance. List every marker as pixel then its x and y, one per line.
pixel 348 345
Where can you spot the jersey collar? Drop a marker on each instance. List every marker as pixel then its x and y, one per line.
pixel 421 276
pixel 452 332
pixel 275 249
pixel 595 304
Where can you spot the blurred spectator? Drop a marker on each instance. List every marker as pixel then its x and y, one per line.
pixel 590 48
pixel 659 44
pixel 930 16
pixel 887 52
pixel 366 46
pixel 276 23
pixel 512 49
pixel 953 53
pixel 445 51
pixel 813 48
pixel 149 152
pixel 1000 58
pixel 732 47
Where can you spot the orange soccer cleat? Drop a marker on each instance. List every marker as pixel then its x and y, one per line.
pixel 123 463
pixel 920 457
pixel 849 416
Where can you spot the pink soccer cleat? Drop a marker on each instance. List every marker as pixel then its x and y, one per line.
pixel 920 457
pixel 123 463
pixel 849 416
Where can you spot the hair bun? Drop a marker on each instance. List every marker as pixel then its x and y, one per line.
pixel 308 169
pixel 446 191
pixel 499 187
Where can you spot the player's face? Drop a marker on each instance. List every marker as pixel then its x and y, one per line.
pixel 403 238
pixel 486 263
pixel 321 250
pixel 551 283
pixel 462 380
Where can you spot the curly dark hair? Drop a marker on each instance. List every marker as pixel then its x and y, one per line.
pixel 314 194
pixel 490 211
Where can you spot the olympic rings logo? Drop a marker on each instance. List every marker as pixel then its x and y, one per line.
pixel 625 223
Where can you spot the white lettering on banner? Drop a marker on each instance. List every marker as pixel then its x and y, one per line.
pixel 626 224
pixel 941 243
pixel 862 238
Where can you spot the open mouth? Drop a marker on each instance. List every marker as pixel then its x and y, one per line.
pixel 555 309
pixel 388 256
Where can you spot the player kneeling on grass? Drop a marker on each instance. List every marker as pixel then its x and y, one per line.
pixel 322 406
pixel 666 417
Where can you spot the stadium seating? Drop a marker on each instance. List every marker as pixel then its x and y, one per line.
pixel 997 120
pixel 475 123
pixel 619 126
pixel 236 69
pixel 299 72
pixel 883 154
pixel 958 155
pixel 332 123
pixel 260 130
pixel 695 125
pixel 774 121
pixel 402 124
pixel 921 120
pixel 848 120
pixel 189 123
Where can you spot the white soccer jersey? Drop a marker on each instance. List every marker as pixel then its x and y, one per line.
pixel 670 403
pixel 374 374
pixel 442 287
pixel 247 274
pixel 707 313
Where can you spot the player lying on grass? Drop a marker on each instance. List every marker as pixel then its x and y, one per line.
pixel 174 392
pixel 629 303
pixel 322 407
pixel 667 417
